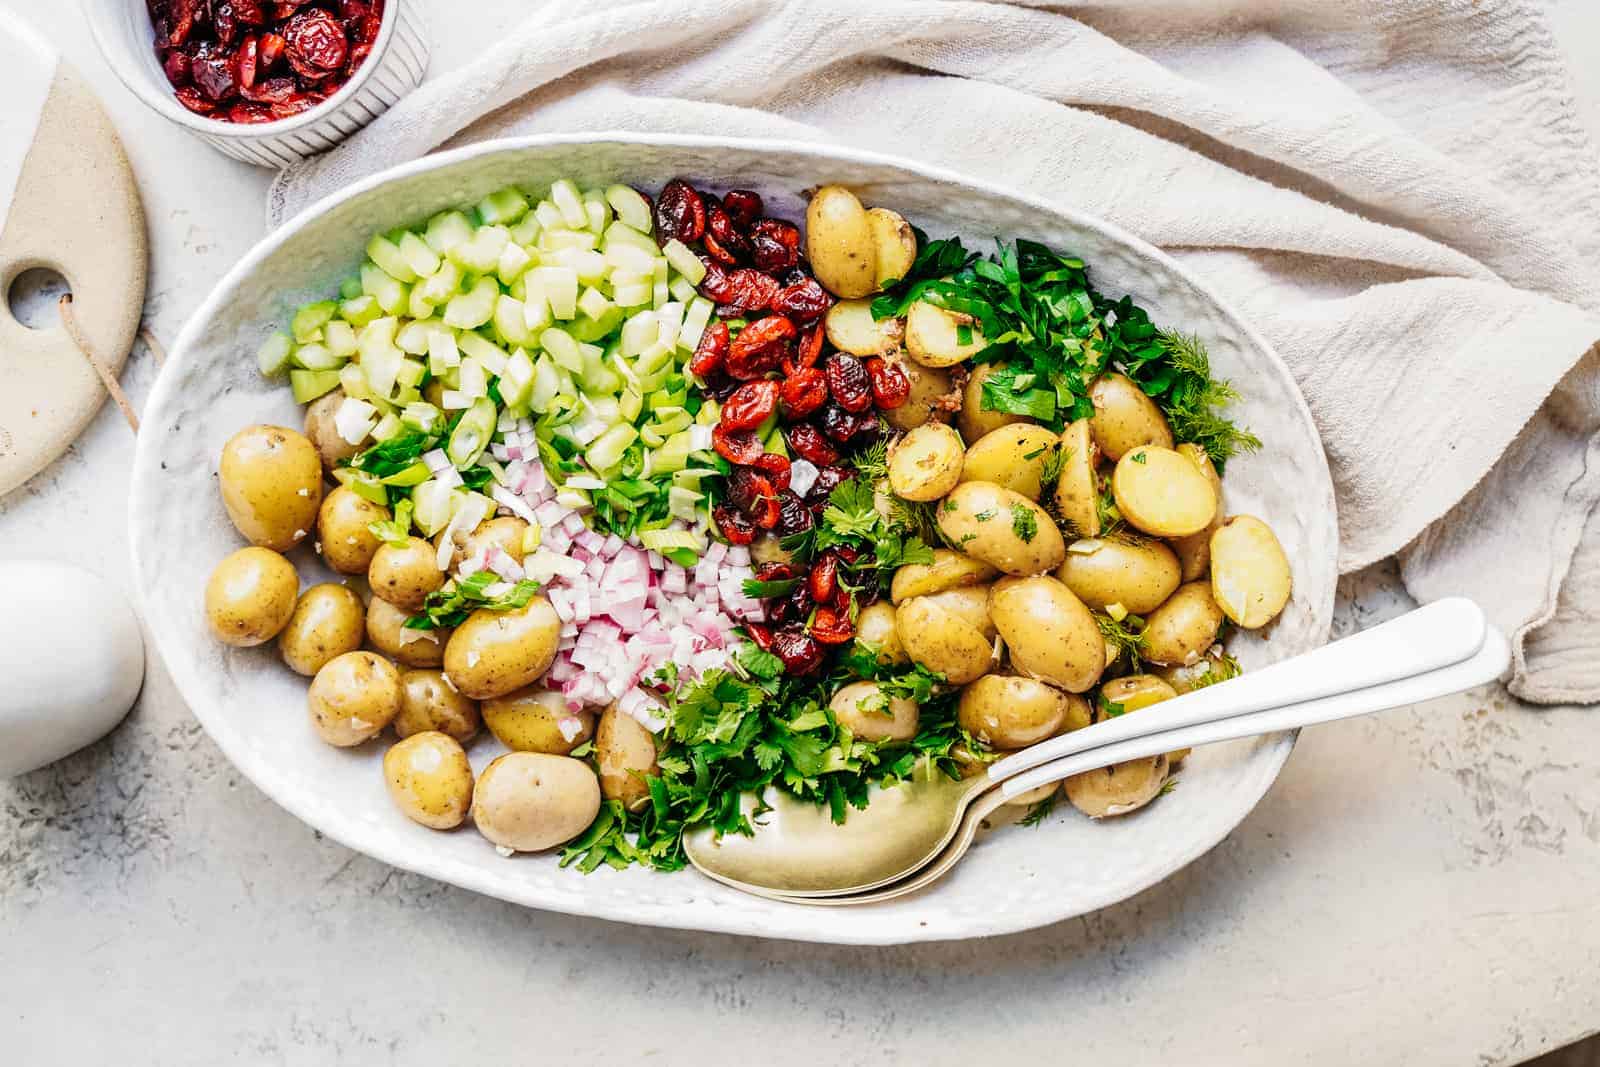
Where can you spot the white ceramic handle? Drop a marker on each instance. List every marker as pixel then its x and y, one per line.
pixel 1487 665
pixel 1442 633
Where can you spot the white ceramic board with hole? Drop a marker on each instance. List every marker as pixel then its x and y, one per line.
pixel 68 203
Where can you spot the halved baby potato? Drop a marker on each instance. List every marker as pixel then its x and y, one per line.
pixel 1013 457
pixel 1125 417
pixel 1162 493
pixel 926 463
pixel 933 336
pixel 895 244
pixel 850 327
pixel 1194 550
pixel 948 570
pixel 1078 488
pixel 1250 576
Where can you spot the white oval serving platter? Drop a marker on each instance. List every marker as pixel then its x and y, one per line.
pixel 255 708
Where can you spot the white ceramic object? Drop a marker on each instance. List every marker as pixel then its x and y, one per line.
pixel 254 708
pixel 72 660
pixel 398 62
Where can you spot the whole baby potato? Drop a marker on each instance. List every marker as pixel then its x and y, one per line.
pixel 495 652
pixel 1162 493
pixel 850 327
pixel 1194 550
pixel 250 597
pixel 344 534
pixel 933 395
pixel 1181 630
pixel 948 570
pixel 875 630
pixel 1002 528
pixel 429 779
pixel 1125 417
pixel 870 714
pixel 387 630
pixel 894 243
pixel 531 801
pixel 1052 635
pixel 428 703
pixel 505 532
pixel 327 622
pixel 271 481
pixel 939 640
pixel 1137 573
pixel 324 435
pixel 925 464
pixel 933 335
pixel 1008 711
pixel 353 697
pixel 840 244
pixel 405 574
pixel 1135 691
pixel 1250 577
pixel 1012 457
pixel 1078 485
pixel 1118 789
pixel 529 720
pixel 626 754
pixel 975 421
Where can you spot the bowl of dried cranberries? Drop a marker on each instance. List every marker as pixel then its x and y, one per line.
pixel 265 81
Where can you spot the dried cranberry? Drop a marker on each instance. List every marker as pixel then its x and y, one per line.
pixel 760 636
pixel 805 391
pixel 734 527
pixel 750 405
pixel 760 346
pixel 224 22
pixel 271 91
pixel 838 423
pixel 680 213
pixel 191 98
pixel 890 386
pixel 823 581
pixel 180 21
pixel 245 63
pixel 849 382
pixel 828 479
pixel 247 114
pixel 351 10
pixel 250 12
pixel 736 446
pixel 754 494
pixel 271 49
pixel 800 653
pixel 775 572
pixel 722 239
pixel 316 44
pixel 296 105
pixel 176 68
pixel 774 244
pixel 806 352
pixel 793 515
pixel 775 467
pixel 214 76
pixel 743 206
pixel 831 628
pixel 803 301
pixel 807 442
pixel 717 285
pixel 712 351
pixel 746 291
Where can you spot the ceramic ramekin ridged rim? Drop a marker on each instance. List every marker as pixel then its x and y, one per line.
pixel 189 683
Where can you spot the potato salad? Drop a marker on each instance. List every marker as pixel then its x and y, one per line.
pixel 655 500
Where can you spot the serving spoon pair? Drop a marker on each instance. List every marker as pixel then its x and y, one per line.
pixel 911 834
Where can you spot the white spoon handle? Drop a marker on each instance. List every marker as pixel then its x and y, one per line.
pixel 1489 664
pixel 1442 633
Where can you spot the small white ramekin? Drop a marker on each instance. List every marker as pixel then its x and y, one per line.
pixel 397 64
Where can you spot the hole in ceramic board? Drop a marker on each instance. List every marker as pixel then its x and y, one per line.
pixel 34 296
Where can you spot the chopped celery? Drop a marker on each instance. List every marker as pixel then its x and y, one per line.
pixel 422 260
pixel 632 209
pixel 681 503
pixel 562 240
pixel 353 380
pixel 564 194
pixel 435 505
pixel 549 216
pixel 422 417
pixel 511 319
pixel 513 261
pixel 387 255
pixel 340 337
pixel 362 484
pixel 526 232
pixel 585 328
pixel 350 288
pixel 617 233
pixel 360 310
pixel 481 254
pixel 593 303
pixel 316 356
pixel 491 356
pixel 474 379
pixel 472 434
pixel 472 309
pixel 503 207
pixel 684 261
pixel 607 449
pixel 666 540
pixel 380 356
pixel 409 376
pixel 390 294
pixel 562 348
pixel 447 230
pixel 308 321
pixel 442 352
pixel 560 286
pixel 413 338
pixel 599 212
pixel 274 353
pixel 388 428
pixel 442 284
pixel 307 385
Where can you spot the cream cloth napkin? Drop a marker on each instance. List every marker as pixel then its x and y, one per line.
pixel 1398 194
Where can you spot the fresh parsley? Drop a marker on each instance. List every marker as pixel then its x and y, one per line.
pixel 450 605
pixel 1024 523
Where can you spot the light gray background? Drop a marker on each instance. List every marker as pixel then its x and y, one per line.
pixel 1418 888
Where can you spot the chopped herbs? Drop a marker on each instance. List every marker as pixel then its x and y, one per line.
pixel 1040 811
pixel 460 597
pixel 1127 636
pixel 776 587
pixel 985 515
pixel 1139 458
pixel 1024 523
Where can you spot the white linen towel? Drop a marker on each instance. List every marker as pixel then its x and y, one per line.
pixel 1396 192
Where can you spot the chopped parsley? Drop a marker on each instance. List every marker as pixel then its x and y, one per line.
pixel 1024 523
pixel 460 597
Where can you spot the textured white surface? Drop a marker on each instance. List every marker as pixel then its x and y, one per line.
pixel 1417 888
pixel 27 67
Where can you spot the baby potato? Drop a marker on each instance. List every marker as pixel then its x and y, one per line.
pixel 1194 550
pixel 250 597
pixel 1162 493
pixel 327 622
pixel 1181 630
pixel 948 570
pixel 1125 417
pixel 429 779
pixel 505 533
pixel 1138 574
pixel 405 574
pixel 970 604
pixel 925 464
pixel 1118 789
pixel 271 481
pixel 495 652
pixel 386 629
pixel 894 243
pixel 1008 711
pixel 1012 457
pixel 972 420
pixel 1080 713
pixel 324 436
pixel 1250 577
pixel 531 801
pixel 530 720
pixel 932 397
pixel 1078 486
pixel 1140 691
pixel 875 629
pixel 942 642
pixel 840 244
pixel 870 714
pixel 1051 634
pixel 626 754
pixel 428 703
pixel 850 327
pixel 1207 670
pixel 1002 528
pixel 344 536
pixel 353 697
pixel 933 336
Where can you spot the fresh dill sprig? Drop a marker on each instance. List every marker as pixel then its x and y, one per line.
pixel 1194 400
pixel 1126 636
